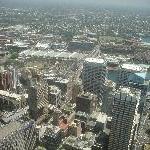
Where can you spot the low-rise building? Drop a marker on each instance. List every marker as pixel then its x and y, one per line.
pixel 10 101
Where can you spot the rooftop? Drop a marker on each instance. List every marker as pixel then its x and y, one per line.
pixel 12 116
pixel 87 95
pixel 18 97
pixel 83 142
pixel 54 89
pixel 127 93
pixel 95 60
pixel 101 117
pixel 133 67
pixel 147 146
pixel 144 75
pixel 41 45
pixel 51 54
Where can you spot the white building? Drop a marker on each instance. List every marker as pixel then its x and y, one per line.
pixel 126 70
pixel 10 100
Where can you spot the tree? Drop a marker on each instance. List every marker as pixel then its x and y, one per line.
pixel 14 55
pixel 67 36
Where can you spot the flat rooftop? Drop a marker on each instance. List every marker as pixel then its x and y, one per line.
pixel 95 60
pixel 51 54
pixel 54 89
pixel 133 67
pixel 147 146
pixel 12 116
pixel 12 95
pixel 101 117
pixel 127 93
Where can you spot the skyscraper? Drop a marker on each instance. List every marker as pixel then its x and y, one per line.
pixel 93 76
pixel 18 135
pixel 37 99
pixel 5 80
pixel 125 71
pixel 86 103
pixel 124 120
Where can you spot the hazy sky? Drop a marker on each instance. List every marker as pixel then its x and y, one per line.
pixel 127 3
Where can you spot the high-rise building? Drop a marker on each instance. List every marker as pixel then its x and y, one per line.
pixel 75 128
pixel 86 103
pixel 6 80
pixel 18 135
pixel 135 76
pixel 125 119
pixel 109 89
pixel 37 99
pixel 93 76
pixel 56 117
pixel 52 137
pixel 141 80
pixel 127 70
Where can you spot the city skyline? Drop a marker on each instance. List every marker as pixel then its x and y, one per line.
pixel 74 74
